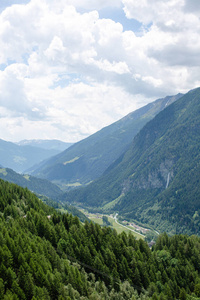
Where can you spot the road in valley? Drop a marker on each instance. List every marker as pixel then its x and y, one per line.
pixel 115 219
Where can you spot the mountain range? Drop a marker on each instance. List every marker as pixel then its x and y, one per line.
pixel 145 167
pixel 24 155
pixel 88 159
pixel 57 145
pixel 156 181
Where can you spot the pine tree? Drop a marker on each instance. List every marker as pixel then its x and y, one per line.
pixel 183 294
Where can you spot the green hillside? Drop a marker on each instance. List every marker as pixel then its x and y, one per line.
pixel 46 255
pixel 38 186
pixel 157 180
pixel 64 208
pixel 89 158
pixel 44 189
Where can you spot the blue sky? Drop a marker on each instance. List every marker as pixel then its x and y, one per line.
pixel 118 15
pixel 7 3
pixel 70 67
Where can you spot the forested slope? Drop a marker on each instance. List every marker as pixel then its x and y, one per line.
pixel 46 255
pixel 156 181
pixel 36 185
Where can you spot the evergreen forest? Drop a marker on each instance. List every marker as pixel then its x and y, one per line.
pixel 48 255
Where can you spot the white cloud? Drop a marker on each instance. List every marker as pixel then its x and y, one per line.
pixel 94 4
pixel 119 68
pixel 147 11
pixel 73 72
pixel 71 112
pixel 172 40
pixel 12 96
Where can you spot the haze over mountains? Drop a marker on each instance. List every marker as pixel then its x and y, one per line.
pixel 46 144
pixel 156 181
pixel 89 158
pixel 23 155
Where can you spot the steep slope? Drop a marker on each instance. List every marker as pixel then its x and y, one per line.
pixel 157 180
pixel 46 255
pixel 39 186
pixel 20 158
pixel 89 158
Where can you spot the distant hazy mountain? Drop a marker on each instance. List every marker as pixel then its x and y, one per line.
pixel 157 180
pixel 39 186
pixel 89 158
pixel 20 158
pixel 46 144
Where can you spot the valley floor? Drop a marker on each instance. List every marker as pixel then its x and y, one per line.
pixel 138 231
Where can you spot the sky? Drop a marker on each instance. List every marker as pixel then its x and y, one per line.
pixel 71 67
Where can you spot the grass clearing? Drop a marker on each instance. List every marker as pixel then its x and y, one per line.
pixel 3 171
pixel 27 177
pixel 97 220
pixel 74 184
pixel 112 203
pixel 71 161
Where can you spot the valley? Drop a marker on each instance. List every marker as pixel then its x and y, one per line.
pixel 88 159
pixel 100 150
pixel 156 180
pixel 137 231
pixel 137 167
pixel 113 245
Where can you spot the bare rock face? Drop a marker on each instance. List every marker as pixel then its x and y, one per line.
pixel 158 178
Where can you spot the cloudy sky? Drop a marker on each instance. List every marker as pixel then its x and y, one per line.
pixel 70 67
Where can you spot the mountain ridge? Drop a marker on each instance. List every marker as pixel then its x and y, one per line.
pixel 46 144
pixel 39 186
pixel 147 179
pixel 20 158
pixel 87 160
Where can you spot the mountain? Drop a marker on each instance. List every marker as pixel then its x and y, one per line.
pixel 46 255
pixel 20 158
pixel 156 181
pixel 57 145
pixel 39 186
pixel 45 189
pixel 88 159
